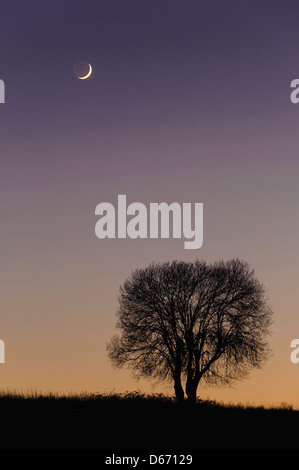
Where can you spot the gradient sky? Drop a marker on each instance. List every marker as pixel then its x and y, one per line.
pixel 189 101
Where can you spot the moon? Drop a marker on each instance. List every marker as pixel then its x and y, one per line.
pixel 83 70
pixel 88 74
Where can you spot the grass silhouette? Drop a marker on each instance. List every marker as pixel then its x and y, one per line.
pixel 134 420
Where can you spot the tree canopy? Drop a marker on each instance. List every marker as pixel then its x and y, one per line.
pixel 193 322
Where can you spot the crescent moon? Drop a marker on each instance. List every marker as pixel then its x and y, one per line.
pixel 88 75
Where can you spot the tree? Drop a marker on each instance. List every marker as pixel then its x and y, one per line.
pixel 192 321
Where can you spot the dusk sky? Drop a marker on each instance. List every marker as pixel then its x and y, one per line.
pixel 189 101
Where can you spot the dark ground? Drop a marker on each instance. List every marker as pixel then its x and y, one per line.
pixel 137 422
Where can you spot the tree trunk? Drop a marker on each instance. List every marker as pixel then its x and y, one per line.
pixel 193 376
pixel 179 391
pixel 191 388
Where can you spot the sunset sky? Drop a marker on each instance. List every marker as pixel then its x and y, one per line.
pixel 189 101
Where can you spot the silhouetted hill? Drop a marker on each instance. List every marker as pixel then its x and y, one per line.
pixel 135 421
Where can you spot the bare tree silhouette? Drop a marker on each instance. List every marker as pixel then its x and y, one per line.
pixel 192 321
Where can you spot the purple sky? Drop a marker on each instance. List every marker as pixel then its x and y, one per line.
pixel 188 102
